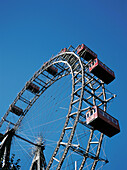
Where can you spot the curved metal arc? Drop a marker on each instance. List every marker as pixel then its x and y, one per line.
pixel 90 137
pixel 37 96
pixel 99 140
pixel 37 73
pixel 21 93
pixel 59 59
pixel 65 125
pixel 102 135
pixel 77 116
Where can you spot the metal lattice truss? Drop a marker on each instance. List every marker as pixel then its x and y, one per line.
pixel 39 158
pixel 87 91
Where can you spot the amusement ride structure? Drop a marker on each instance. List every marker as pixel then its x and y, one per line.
pixel 72 127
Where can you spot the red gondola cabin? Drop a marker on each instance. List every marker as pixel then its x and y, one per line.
pixel 16 110
pixel 63 50
pixel 102 121
pixel 33 88
pixel 52 70
pixel 101 71
pixel 86 53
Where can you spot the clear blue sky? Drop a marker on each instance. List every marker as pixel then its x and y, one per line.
pixel 31 31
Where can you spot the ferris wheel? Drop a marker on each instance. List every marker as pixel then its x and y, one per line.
pixel 62 111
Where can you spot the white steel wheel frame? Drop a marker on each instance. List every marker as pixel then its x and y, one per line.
pixel 81 78
pixel 53 61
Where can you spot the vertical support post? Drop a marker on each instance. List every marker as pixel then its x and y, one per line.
pixel 102 135
pixel 75 165
pixel 39 159
pixel 5 147
pixel 90 138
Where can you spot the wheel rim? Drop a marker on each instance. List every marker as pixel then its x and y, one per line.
pixel 79 76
